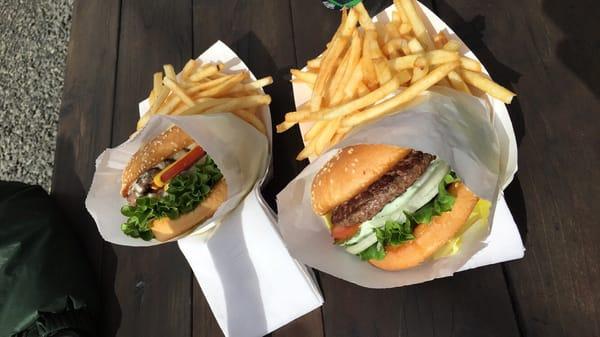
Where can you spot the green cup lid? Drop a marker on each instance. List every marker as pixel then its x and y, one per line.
pixel 340 4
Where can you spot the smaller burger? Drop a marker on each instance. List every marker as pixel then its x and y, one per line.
pixel 392 206
pixel 171 185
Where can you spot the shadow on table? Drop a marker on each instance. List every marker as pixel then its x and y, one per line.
pixel 111 309
pixel 285 145
pixel 580 47
pixel 72 202
pixel 472 33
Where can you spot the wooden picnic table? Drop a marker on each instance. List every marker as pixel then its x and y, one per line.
pixel 546 51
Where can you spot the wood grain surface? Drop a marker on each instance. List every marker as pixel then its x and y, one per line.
pixel 547 51
pixel 544 51
pixel 153 284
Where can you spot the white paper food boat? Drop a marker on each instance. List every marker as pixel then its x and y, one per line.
pixel 504 242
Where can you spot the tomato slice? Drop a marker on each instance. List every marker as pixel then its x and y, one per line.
pixel 342 233
pixel 182 164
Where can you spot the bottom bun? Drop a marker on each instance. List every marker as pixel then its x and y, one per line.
pixel 432 236
pixel 165 229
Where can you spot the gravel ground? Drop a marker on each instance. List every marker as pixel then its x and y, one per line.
pixel 33 48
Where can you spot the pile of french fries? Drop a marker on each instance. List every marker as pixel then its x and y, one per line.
pixel 207 88
pixel 369 70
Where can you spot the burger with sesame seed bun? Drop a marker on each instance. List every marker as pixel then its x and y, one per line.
pixel 392 206
pixel 171 185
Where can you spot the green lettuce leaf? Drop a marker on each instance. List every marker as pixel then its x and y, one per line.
pixel 184 193
pixel 395 233
pixel 374 252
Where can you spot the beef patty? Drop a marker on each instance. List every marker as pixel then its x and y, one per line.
pixel 392 184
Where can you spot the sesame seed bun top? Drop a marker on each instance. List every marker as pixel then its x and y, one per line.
pixel 158 149
pixel 351 171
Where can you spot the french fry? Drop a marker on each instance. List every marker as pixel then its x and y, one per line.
pixel 216 75
pixel 339 135
pixel 324 138
pixel 395 45
pixel 284 126
pixel 207 85
pixel 452 45
pixel 362 89
pixel 327 68
pixel 223 88
pixel 308 151
pixel 353 83
pixel 420 70
pixel 157 82
pixel 405 96
pixel 178 91
pixel 396 17
pixel 251 119
pixel 457 82
pixel 232 104
pixel 434 57
pixel 404 28
pixel 179 108
pixel 205 71
pixel 304 76
pixel 439 40
pixel 371 43
pixel 415 46
pixel 470 64
pixel 382 70
pixel 392 31
pixel 170 103
pixel 417 24
pixel 170 72
pixel 364 101
pixel 142 121
pixel 161 96
pixel 364 19
pixel 253 86
pixel 401 14
pixel 337 76
pixel 314 130
pixel 349 25
pixel 486 85
pixel 351 66
pixel 368 70
pixel 301 116
pixel 314 63
pixel 188 68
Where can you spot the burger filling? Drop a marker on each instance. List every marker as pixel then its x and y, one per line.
pixel 410 193
pixel 173 187
pixel 143 185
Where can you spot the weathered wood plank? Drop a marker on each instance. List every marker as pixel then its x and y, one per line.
pixel 260 32
pixel 471 303
pixel 547 51
pixel 153 285
pixel 84 128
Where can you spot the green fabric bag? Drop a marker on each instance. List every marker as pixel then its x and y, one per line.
pixel 46 285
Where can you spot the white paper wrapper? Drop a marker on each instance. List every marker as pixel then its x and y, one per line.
pixel 241 155
pixel 480 148
pixel 441 124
